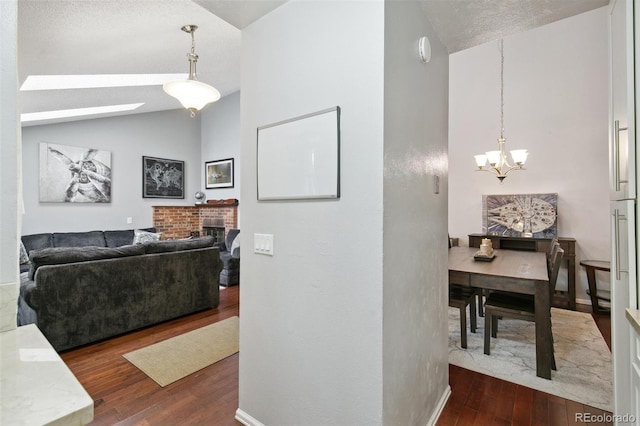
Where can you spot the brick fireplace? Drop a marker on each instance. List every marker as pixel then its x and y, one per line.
pixel 184 221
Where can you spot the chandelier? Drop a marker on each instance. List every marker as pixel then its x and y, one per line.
pixel 192 94
pixel 497 160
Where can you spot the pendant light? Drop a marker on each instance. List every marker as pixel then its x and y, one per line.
pixel 192 94
pixel 498 162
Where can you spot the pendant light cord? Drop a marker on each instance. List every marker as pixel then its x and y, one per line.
pixel 501 89
pixel 193 57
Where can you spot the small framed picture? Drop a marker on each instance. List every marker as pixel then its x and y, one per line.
pixel 218 174
pixel 162 178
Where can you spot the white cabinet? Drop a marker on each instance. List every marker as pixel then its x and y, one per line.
pixel 633 316
pixel 623 296
pixel 622 112
pixel 622 166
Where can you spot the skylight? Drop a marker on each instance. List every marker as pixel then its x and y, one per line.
pixel 89 81
pixel 76 112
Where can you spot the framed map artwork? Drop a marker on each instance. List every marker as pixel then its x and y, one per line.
pixel 162 178
pixel 520 215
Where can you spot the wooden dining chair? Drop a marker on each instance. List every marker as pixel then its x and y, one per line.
pixel 460 297
pixel 555 245
pixel 517 306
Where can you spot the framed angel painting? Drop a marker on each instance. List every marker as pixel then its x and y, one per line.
pixel 72 174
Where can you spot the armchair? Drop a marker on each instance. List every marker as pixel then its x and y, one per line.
pixel 230 257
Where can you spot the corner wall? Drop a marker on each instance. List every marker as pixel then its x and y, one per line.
pixel 346 323
pixel 311 315
pixel 556 105
pixel 416 337
pixel 9 164
pixel 221 140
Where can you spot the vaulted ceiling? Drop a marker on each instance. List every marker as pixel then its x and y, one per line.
pixel 63 37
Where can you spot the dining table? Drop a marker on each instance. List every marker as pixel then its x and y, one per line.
pixel 516 271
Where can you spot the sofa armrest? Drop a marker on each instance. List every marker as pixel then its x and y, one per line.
pixel 228 261
pixel 27 289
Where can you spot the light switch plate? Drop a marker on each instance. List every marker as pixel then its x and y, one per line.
pixel 263 244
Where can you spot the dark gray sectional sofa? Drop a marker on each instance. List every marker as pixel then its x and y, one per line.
pixel 85 287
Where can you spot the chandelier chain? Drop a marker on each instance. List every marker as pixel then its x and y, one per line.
pixel 501 89
pixel 497 159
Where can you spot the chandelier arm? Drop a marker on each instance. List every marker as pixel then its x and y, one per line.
pixel 491 169
pixel 510 169
pixel 505 162
pixel 503 170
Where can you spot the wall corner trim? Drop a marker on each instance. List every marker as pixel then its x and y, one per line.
pixel 440 407
pixel 247 420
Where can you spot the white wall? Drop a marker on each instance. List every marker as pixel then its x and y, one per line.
pixel 311 315
pixel 9 165
pixel 415 362
pixel 221 140
pixel 345 323
pixel 556 106
pixel 166 134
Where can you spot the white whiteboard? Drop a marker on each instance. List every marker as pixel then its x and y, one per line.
pixel 300 158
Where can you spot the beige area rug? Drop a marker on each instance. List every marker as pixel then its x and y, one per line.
pixel 585 369
pixel 177 357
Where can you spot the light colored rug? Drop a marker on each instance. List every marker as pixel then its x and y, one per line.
pixel 585 369
pixel 177 357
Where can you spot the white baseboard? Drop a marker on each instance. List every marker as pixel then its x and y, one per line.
pixel 246 419
pixel 440 407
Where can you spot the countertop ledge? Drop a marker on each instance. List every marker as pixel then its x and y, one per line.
pixel 633 315
pixel 38 387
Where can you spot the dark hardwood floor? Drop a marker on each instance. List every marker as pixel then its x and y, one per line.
pixel 482 400
pixel 124 395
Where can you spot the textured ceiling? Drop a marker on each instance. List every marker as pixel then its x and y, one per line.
pixel 121 37
pixel 144 36
pixel 461 24
pixel 240 13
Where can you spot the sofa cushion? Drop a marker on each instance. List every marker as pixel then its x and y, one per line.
pixel 24 256
pixel 177 245
pixel 79 239
pixel 140 236
pixel 62 255
pixel 235 246
pixel 231 235
pixel 122 237
pixel 118 238
pixel 37 241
